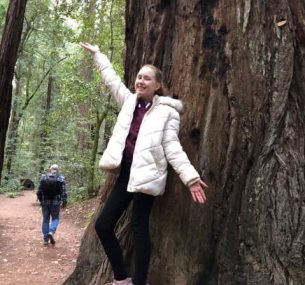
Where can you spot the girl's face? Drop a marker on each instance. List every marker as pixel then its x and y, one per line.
pixel 146 83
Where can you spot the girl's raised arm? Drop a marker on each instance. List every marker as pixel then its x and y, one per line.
pixel 117 88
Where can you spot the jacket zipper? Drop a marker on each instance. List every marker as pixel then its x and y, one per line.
pixel 145 115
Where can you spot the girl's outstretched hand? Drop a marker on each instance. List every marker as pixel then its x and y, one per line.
pixel 89 47
pixel 197 191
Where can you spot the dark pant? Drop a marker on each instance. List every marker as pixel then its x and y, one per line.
pixel 116 203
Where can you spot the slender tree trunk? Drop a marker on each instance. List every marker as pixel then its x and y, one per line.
pixel 15 117
pixel 8 55
pixel 12 135
pixel 44 142
pixel 92 189
pixel 107 133
pixel 83 141
pixel 239 68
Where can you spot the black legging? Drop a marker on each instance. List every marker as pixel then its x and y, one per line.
pixel 116 203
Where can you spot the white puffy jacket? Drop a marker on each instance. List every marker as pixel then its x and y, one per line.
pixel 157 142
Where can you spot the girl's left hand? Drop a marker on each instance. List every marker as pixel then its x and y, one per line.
pixel 197 191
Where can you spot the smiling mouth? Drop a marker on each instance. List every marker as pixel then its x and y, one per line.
pixel 140 87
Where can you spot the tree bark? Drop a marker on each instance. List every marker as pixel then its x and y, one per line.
pixel 238 66
pixel 8 55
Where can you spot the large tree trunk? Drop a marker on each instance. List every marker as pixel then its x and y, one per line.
pixel 239 68
pixel 8 55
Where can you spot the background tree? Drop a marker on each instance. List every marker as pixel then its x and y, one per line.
pixel 23 76
pixel 72 131
pixel 8 56
pixel 239 68
pixel 38 57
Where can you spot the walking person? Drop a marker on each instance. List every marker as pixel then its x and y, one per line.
pixel 144 140
pixel 52 195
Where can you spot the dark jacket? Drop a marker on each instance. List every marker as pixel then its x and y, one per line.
pixel 57 199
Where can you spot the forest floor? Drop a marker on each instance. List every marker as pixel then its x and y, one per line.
pixel 23 257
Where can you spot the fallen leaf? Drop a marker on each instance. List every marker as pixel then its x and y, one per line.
pixel 281 23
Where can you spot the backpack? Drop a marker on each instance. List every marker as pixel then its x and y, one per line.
pixel 50 186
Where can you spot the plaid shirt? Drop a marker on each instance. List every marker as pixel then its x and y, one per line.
pixel 58 198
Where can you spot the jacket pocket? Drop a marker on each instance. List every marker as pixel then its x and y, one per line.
pixel 159 159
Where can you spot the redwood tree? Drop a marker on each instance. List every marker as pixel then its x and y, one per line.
pixel 238 66
pixel 8 55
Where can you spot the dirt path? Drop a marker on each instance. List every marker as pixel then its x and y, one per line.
pixel 23 258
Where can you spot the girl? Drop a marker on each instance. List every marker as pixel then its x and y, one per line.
pixel 144 139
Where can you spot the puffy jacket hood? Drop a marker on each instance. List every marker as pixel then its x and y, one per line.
pixel 174 103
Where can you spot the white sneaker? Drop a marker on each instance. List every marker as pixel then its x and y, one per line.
pixel 51 238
